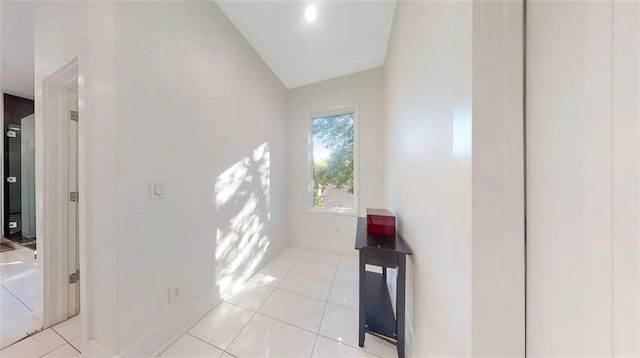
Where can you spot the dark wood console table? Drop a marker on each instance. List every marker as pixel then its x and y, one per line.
pixel 376 311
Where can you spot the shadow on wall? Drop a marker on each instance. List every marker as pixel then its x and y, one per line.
pixel 242 204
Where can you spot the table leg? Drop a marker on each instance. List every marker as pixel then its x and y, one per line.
pixel 363 314
pixel 400 297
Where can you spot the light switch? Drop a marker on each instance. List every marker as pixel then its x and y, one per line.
pixel 157 190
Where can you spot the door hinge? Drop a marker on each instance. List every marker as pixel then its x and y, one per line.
pixel 73 196
pixel 74 277
pixel 73 115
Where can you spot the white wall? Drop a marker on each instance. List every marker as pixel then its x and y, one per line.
pixel 582 178
pixel 62 32
pixel 455 173
pixel 428 109
pixel 17 50
pixel 365 89
pixel 186 101
pixel 212 127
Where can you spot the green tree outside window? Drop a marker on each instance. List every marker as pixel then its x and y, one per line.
pixel 333 159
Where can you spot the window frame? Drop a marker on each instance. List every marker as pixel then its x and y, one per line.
pixel 335 111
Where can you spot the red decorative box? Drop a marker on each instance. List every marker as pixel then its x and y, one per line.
pixel 381 222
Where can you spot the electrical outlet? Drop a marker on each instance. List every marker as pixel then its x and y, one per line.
pixel 175 291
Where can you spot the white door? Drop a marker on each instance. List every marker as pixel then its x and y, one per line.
pixel 74 197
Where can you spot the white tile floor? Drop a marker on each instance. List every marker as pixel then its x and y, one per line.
pixel 19 294
pixel 301 304
pixel 63 340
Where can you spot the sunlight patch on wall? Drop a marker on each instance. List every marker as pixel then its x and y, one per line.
pixel 230 181
pixel 242 205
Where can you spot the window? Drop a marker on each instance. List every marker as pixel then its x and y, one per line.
pixel 333 161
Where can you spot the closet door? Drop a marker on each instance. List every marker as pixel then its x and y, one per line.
pixel 581 109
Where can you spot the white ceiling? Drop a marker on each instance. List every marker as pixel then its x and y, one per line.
pixel 347 37
pixel 17 48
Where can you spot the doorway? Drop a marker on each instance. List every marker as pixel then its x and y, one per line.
pixel 20 289
pixel 58 174
pixel 55 270
pixel 19 171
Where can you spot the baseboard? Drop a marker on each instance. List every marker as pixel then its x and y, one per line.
pixel 170 330
pixel 93 349
pixel 174 327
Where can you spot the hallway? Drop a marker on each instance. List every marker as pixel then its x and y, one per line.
pixel 19 294
pixel 202 170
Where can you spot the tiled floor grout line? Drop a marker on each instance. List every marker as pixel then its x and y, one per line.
pixel 323 312
pixel 333 280
pixel 315 341
pixel 324 309
pixel 326 303
pixel 317 262
pixel 66 340
pixel 287 323
pixel 316 277
pixel 299 294
pixel 336 267
pixel 225 301
pixel 306 274
pixel 16 297
pixel 274 288
pixel 202 340
pixel 254 312
pixel 317 334
pixel 59 335
pixel 302 273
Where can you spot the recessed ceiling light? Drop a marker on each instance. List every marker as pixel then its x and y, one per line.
pixel 311 13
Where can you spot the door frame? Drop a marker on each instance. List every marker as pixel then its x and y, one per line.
pixel 52 195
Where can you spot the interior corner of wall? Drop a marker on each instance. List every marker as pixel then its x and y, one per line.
pixel 408 345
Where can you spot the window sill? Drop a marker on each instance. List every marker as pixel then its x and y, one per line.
pixel 338 212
